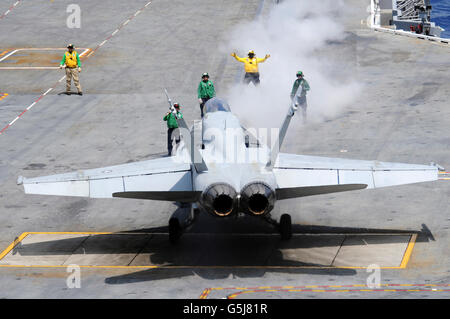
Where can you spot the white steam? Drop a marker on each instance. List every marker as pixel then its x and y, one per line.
pixel 294 34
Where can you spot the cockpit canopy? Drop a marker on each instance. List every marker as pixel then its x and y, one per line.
pixel 216 104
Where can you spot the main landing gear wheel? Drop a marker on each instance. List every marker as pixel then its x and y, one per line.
pixel 285 227
pixel 175 230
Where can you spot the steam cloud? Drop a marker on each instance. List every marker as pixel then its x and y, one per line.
pixel 295 33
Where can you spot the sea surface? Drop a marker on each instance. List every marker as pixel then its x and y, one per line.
pixel 440 14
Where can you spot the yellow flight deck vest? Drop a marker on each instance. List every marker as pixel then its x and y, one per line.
pixel 250 65
pixel 71 59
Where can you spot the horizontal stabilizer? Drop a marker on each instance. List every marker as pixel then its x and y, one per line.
pixel 296 171
pixel 186 196
pixel 164 175
pixel 293 192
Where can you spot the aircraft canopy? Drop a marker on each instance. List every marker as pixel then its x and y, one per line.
pixel 215 105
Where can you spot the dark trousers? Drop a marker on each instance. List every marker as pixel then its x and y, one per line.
pixel 251 77
pixel 172 133
pixel 204 99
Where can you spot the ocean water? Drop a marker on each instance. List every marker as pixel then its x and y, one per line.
pixel 440 14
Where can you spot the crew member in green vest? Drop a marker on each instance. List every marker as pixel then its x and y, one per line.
pixel 205 91
pixel 173 131
pixel 298 93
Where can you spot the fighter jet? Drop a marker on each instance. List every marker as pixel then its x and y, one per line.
pixel 224 175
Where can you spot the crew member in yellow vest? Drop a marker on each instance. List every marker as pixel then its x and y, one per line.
pixel 251 66
pixel 71 61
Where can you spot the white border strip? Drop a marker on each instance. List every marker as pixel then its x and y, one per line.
pixel 412 35
pixel 11 53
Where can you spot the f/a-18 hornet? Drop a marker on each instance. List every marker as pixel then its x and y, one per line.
pixel 227 176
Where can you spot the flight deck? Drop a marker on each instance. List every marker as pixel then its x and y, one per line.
pixel 131 51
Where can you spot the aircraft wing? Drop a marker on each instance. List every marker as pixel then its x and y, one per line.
pixel 299 175
pixel 160 179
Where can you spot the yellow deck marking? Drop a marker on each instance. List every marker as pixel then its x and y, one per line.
pixel 76 233
pixel 13 244
pixel 445 176
pixel 408 251
pixel 3 95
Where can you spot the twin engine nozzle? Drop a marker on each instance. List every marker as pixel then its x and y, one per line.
pixel 222 200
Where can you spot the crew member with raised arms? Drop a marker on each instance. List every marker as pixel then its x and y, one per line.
pixel 251 66
pixel 72 63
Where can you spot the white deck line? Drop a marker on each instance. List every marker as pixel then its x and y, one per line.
pixel 11 53
pixel 13 121
pixel 47 49
pixel 412 35
pixel 29 68
pixel 28 108
pixel 36 67
pixel 84 52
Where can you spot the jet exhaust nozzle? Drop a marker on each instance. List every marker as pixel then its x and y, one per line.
pixel 220 199
pixel 257 199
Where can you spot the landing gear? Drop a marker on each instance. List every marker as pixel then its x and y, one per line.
pixel 181 220
pixel 175 230
pixel 285 227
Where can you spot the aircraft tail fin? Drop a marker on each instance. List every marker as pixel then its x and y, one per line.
pixel 281 135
